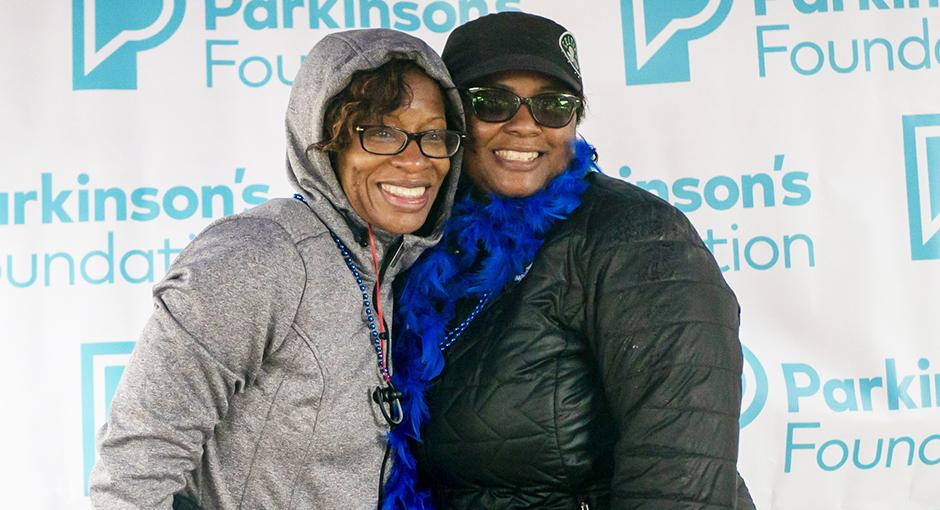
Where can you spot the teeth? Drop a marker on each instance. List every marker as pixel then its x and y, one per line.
pixel 516 155
pixel 402 191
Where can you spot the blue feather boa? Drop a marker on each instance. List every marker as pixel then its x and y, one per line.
pixel 509 232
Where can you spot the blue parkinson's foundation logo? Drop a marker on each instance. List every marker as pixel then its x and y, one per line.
pixel 107 35
pixel 922 163
pixel 754 388
pixel 657 33
pixel 102 367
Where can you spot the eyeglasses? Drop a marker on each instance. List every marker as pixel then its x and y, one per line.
pixel 552 109
pixel 388 141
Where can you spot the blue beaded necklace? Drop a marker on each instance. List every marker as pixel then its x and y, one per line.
pixel 367 306
pixel 455 333
pixel 374 333
pixel 449 338
pixel 388 398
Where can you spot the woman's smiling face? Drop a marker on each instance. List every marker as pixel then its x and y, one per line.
pixel 395 193
pixel 517 157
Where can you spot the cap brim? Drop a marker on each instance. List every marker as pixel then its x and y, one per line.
pixel 525 62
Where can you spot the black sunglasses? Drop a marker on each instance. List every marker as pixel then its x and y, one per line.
pixel 551 109
pixel 388 141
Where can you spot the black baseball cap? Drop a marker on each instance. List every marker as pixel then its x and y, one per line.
pixel 512 41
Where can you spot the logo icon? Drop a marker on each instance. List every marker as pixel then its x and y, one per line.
pixel 657 33
pixel 108 35
pixel 922 164
pixel 570 48
pixel 102 368
pixel 753 388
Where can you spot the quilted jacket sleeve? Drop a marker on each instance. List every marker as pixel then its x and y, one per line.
pixel 664 326
pixel 228 297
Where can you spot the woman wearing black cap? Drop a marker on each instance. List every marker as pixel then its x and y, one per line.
pixel 592 357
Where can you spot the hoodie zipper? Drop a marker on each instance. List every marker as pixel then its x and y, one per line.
pixel 388 261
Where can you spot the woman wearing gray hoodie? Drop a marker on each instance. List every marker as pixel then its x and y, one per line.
pixel 261 379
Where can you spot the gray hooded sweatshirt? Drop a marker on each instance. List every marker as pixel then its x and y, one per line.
pixel 250 386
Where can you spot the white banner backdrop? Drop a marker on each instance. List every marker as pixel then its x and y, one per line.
pixel 802 138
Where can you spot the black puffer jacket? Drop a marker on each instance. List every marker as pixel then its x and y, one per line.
pixel 609 376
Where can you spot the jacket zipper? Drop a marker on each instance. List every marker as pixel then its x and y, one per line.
pixel 585 505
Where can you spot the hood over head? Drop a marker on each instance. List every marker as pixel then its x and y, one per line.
pixel 325 72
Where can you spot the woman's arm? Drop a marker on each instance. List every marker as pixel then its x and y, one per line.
pixel 664 326
pixel 229 298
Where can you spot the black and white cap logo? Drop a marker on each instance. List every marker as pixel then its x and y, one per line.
pixel 570 49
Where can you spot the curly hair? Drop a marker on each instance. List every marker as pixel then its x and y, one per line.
pixel 370 95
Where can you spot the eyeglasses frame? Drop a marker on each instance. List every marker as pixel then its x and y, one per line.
pixel 361 129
